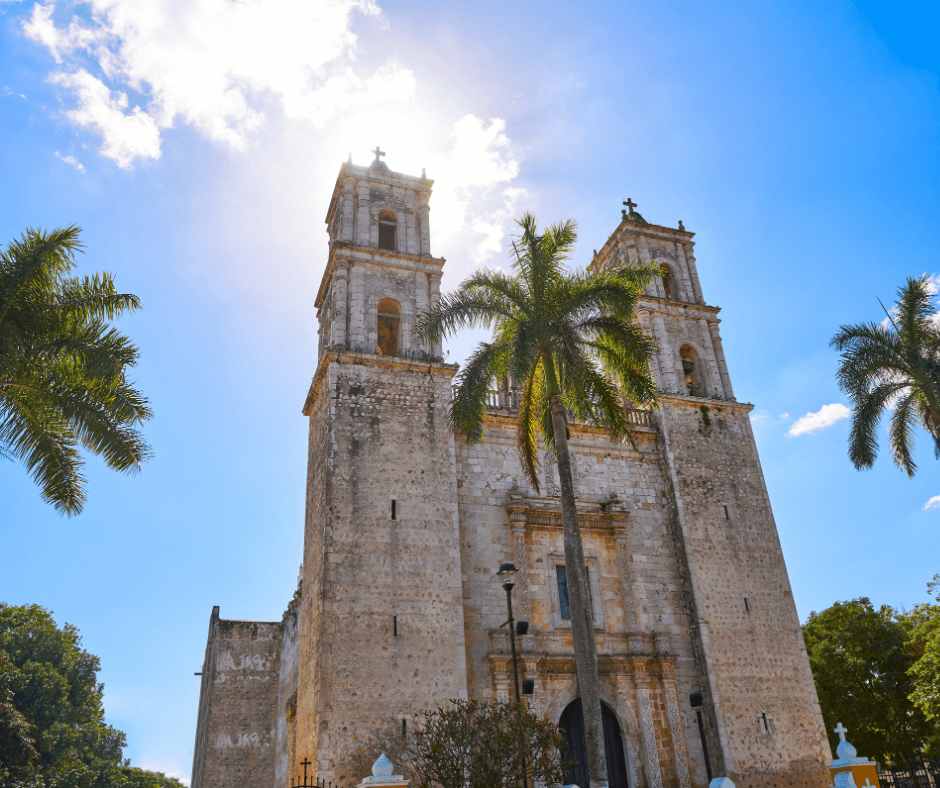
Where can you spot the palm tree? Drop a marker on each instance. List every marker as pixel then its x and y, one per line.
pixel 62 382
pixel 568 340
pixel 896 363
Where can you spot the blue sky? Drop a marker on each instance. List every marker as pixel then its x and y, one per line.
pixel 197 146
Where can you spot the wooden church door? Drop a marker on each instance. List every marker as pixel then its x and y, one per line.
pixel 572 724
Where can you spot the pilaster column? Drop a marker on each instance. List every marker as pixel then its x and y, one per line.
pixel 632 737
pixel 720 355
pixel 522 576
pixel 363 230
pixel 421 305
pixel 665 355
pixel 644 317
pixel 632 255
pixel 714 377
pixel 349 197
pixel 338 327
pixel 412 244
pixel 631 620
pixel 424 214
pixel 357 308
pixel 678 732
pixel 434 295
pixel 644 702
pixel 693 272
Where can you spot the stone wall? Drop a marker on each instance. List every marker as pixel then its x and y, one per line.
pixel 389 622
pixel 761 702
pixel 235 734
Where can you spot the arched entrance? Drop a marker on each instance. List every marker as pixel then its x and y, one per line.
pixel 572 724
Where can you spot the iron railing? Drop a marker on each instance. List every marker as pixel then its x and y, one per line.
pixel 508 400
pixel 919 774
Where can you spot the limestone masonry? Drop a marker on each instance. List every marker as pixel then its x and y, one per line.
pixel 399 610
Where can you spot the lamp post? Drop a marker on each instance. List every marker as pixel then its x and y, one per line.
pixel 696 700
pixel 508 572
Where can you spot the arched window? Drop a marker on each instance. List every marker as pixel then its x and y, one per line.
pixel 388 324
pixel 669 282
pixel 388 224
pixel 691 372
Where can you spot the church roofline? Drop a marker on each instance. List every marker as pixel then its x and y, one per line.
pixel 387 177
pixel 630 227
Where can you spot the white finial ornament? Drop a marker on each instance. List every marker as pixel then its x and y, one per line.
pixel 382 767
pixel 845 751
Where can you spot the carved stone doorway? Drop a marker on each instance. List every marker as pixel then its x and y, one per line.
pixel 572 724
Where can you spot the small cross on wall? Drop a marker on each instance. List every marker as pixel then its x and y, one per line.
pixel 378 152
pixel 630 204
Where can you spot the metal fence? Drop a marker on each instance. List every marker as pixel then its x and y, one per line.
pixel 309 781
pixel 919 774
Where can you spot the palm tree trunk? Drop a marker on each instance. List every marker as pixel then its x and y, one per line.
pixel 582 618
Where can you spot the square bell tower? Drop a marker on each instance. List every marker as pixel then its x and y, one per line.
pixel 381 633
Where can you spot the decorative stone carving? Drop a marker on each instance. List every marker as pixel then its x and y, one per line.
pixel 649 739
pixel 678 737
pixel 522 576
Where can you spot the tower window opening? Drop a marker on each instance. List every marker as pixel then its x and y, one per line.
pixel 389 321
pixel 388 224
pixel 727 513
pixel 669 282
pixel 747 605
pixel 394 509
pixel 691 372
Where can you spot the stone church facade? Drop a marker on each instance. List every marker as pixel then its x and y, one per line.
pixel 398 608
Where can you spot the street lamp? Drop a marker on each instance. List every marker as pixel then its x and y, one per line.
pixel 508 573
pixel 696 700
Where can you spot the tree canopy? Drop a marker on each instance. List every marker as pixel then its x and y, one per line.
pixel 861 657
pixel 52 728
pixel 62 368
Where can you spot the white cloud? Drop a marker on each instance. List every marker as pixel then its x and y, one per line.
pixel 825 417
pixel 212 64
pixel 933 503
pixel 784 415
pixel 71 160
pixel 760 417
pixel 475 195
pixel 127 136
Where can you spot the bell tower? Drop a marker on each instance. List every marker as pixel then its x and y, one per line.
pixel 380 274
pixel 381 635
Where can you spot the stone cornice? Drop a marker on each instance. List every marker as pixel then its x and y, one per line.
pixel 370 360
pixel 535 512
pixel 355 253
pixel 506 418
pixel 697 402
pixel 671 307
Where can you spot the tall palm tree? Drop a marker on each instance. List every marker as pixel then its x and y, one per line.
pixel 62 368
pixel 568 340
pixel 897 362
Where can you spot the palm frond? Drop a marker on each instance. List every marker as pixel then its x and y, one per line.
pixel 901 433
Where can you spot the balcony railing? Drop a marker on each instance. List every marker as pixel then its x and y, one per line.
pixel 507 401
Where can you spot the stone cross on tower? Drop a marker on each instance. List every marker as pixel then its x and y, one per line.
pixel 630 204
pixel 378 153
pixel 841 730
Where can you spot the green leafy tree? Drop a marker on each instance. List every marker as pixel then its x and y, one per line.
pixel 62 368
pixel 924 626
pixel 569 341
pixel 470 744
pixel 895 363
pixel 861 657
pixel 52 727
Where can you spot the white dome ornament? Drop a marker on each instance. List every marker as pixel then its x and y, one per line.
pixel 382 774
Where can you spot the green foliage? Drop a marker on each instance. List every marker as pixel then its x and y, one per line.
pixel 52 728
pixel 924 627
pixel 894 364
pixel 62 368
pixel 861 657
pixel 482 745
pixel 552 328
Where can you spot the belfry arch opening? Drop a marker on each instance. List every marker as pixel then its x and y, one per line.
pixel 692 372
pixel 669 283
pixel 389 327
pixel 575 753
pixel 388 226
